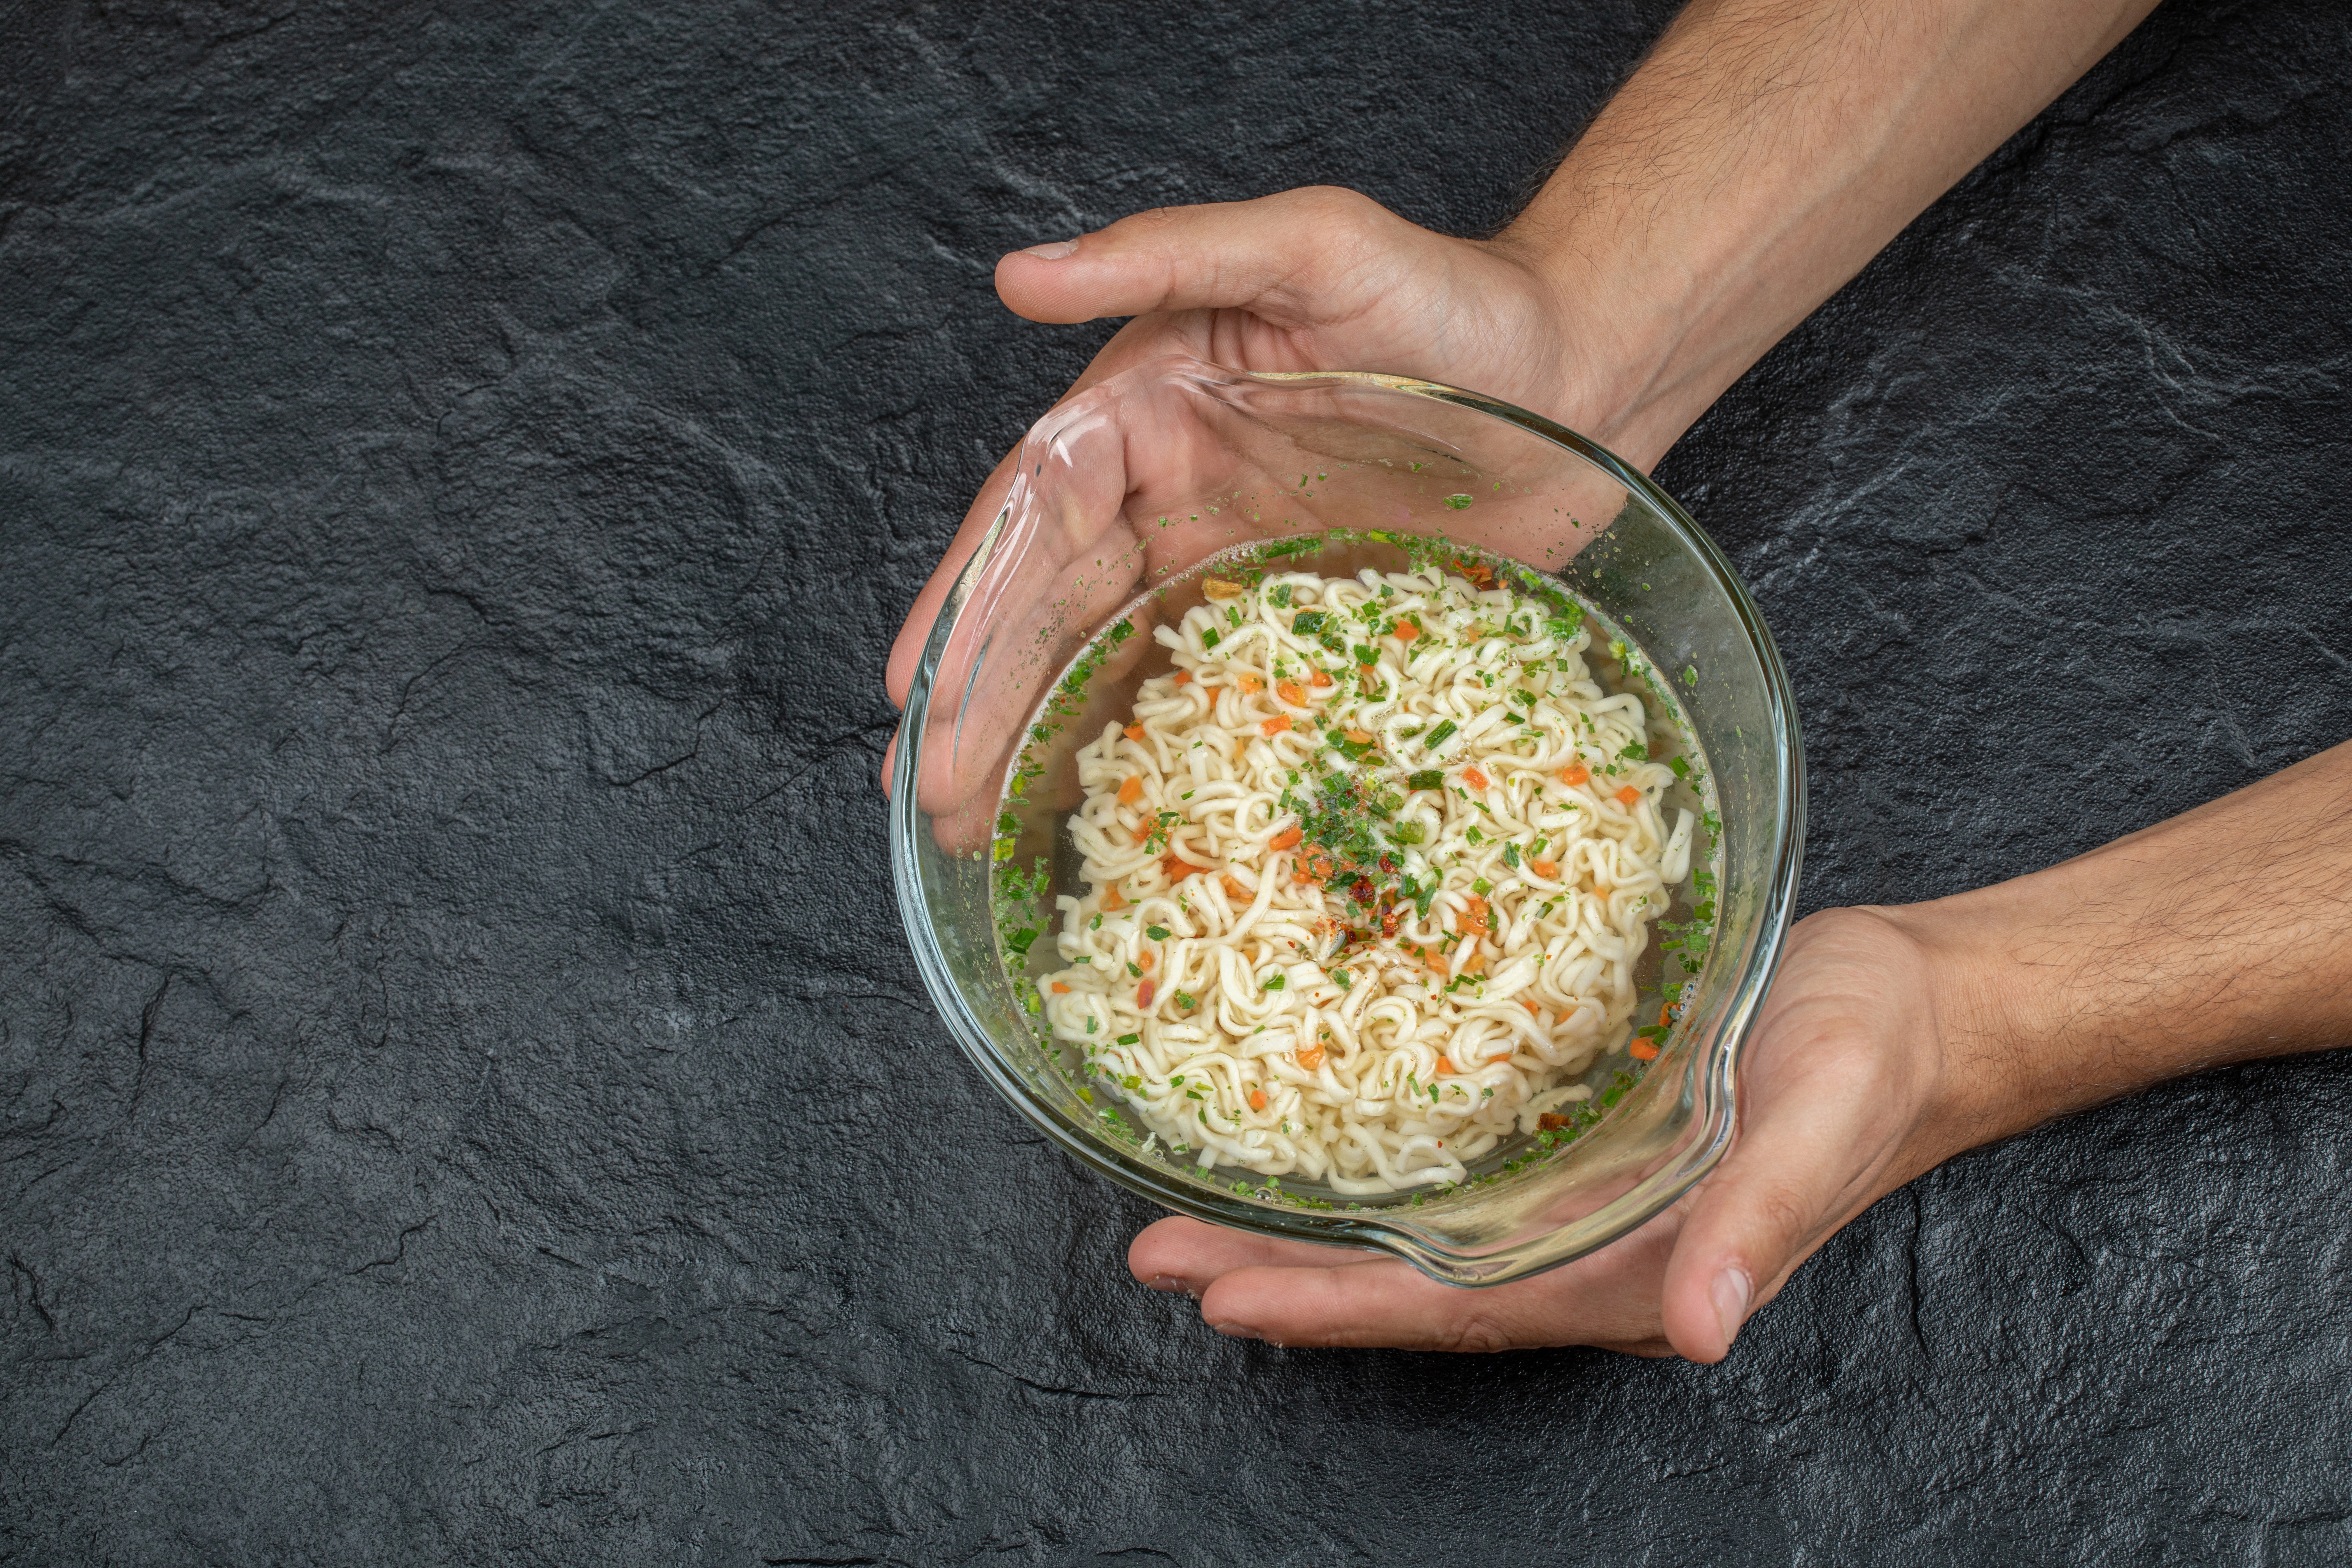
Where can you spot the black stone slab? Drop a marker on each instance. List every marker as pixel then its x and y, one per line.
pixel 463 1092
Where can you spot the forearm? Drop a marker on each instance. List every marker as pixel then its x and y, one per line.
pixel 1760 156
pixel 2220 935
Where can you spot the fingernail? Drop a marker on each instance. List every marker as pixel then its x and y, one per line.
pixel 1169 1282
pixel 1053 252
pixel 1237 1331
pixel 1731 1292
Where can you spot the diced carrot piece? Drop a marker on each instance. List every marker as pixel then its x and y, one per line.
pixel 1258 1100
pixel 1218 588
pixel 1234 889
pixel 1574 774
pixel 1250 685
pixel 1643 1050
pixel 1310 1058
pixel 1176 867
pixel 1275 725
pixel 1184 678
pixel 1406 631
pixel 1322 679
pixel 1290 691
pixel 1135 732
pixel 1146 961
pixel 1444 1065
pixel 1548 869
pixel 1315 866
pixel 1113 899
pixel 1132 790
pixel 1144 995
pixel 1474 964
pixel 1530 1004
pixel 1666 1014
pixel 1287 839
pixel 1473 778
pixel 1060 989
pixel 1628 795
pixel 1474 917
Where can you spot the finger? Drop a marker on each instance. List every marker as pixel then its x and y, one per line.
pixel 906 652
pixel 1830 1112
pixel 1278 255
pixel 1181 1254
pixel 1387 1304
pixel 1815 1155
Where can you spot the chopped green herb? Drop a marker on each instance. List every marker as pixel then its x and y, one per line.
pixel 1427 778
pixel 1128 1039
pixel 1157 933
pixel 1458 503
pixel 1307 622
pixel 1437 737
pixel 1276 983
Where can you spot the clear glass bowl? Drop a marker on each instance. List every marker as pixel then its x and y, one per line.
pixel 1128 487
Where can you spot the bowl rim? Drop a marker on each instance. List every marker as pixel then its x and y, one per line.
pixel 1714 1078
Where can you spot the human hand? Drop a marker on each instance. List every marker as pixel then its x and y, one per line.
pixel 1309 279
pixel 1857 1079
pixel 1756 161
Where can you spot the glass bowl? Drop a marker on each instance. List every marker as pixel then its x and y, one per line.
pixel 1123 494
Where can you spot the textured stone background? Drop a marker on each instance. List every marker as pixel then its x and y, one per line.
pixel 465 1092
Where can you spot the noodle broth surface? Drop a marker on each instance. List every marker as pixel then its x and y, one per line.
pixel 1358 886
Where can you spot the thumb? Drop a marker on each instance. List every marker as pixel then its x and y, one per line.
pixel 1791 1181
pixel 1279 255
pixel 1744 1228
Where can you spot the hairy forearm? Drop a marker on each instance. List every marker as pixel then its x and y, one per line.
pixel 1762 153
pixel 2220 935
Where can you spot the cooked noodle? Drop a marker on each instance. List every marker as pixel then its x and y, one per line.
pixel 1368 874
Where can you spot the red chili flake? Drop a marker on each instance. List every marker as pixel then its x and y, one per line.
pixel 1144 995
pixel 1362 890
pixel 1388 920
pixel 1548 1123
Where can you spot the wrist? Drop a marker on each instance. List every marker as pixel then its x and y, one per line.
pixel 1636 364
pixel 1978 999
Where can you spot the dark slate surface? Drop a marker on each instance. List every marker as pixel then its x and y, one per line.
pixel 465 1092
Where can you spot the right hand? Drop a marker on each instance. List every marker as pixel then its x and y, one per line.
pixel 1321 278
pixel 1865 1068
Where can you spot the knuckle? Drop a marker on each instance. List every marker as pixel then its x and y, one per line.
pixel 1339 213
pixel 1781 1215
pixel 1478 1332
